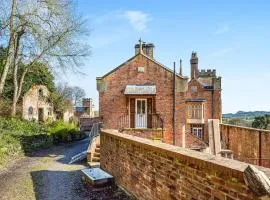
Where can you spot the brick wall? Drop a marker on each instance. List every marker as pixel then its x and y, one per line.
pixel 145 133
pixel 151 170
pixel 247 144
pixel 212 104
pixel 87 122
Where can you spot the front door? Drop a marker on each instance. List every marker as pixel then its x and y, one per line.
pixel 141 114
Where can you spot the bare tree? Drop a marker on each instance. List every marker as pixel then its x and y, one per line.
pixel 65 91
pixel 72 93
pixel 44 31
pixel 78 94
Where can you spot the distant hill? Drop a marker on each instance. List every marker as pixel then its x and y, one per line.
pixel 243 114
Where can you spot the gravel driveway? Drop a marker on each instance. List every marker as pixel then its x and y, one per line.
pixel 47 176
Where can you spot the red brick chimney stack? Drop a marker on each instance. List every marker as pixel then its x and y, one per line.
pixel 194 65
pixel 145 48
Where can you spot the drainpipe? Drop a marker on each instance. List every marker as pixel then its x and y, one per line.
pixel 260 148
pixel 174 116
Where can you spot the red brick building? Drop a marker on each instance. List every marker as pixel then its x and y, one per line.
pixel 144 97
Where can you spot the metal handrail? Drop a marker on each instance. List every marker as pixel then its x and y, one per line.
pixel 124 121
pixel 95 130
pixel 156 121
pixel 206 144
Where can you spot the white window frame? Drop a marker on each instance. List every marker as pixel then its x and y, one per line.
pixel 197 131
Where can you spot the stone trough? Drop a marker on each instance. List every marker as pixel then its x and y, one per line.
pixel 97 177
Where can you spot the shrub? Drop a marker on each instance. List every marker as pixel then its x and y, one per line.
pixel 63 131
pixel 18 137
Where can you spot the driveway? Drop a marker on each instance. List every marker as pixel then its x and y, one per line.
pixel 46 175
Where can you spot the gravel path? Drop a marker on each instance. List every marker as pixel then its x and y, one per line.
pixel 47 176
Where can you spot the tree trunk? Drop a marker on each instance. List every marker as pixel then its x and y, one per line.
pixel 15 73
pixel 11 46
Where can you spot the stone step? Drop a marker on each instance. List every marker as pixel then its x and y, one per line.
pixel 94 164
pixel 95 159
pixel 96 154
pixel 98 145
pixel 97 177
pixel 97 150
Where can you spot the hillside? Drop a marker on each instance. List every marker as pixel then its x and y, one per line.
pixel 244 114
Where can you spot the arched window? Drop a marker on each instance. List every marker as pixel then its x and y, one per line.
pixel 30 111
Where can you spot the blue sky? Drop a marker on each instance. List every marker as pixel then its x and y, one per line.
pixel 231 36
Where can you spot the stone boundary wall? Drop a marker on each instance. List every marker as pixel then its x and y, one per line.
pixel 247 144
pixel 86 123
pixel 154 170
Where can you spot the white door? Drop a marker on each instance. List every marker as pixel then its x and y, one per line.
pixel 140 116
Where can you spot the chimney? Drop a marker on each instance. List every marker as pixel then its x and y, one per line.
pixel 147 49
pixel 194 65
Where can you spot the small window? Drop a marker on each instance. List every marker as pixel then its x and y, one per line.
pixel 30 111
pixel 197 130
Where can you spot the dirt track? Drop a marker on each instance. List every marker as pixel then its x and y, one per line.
pixel 46 175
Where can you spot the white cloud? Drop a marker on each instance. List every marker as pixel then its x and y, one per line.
pixel 138 19
pixel 222 29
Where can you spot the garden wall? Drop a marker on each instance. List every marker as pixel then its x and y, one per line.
pixel 247 144
pixel 154 170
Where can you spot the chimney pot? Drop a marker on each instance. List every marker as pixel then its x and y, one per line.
pixel 147 49
pixel 194 65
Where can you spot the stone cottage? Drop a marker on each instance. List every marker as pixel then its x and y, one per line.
pixel 36 106
pixel 143 97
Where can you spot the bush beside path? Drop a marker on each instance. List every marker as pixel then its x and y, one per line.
pixel 21 137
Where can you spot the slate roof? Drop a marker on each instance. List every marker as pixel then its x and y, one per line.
pixel 140 90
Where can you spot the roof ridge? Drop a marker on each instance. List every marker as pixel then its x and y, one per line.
pixel 160 64
pixel 153 60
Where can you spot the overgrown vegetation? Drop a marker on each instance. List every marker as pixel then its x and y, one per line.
pixel 19 137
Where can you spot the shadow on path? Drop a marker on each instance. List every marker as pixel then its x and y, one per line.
pixel 50 185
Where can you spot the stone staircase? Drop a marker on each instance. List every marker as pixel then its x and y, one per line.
pixel 96 154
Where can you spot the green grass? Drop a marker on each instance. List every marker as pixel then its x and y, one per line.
pixel 19 137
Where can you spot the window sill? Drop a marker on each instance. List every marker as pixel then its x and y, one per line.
pixel 142 129
pixel 195 121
